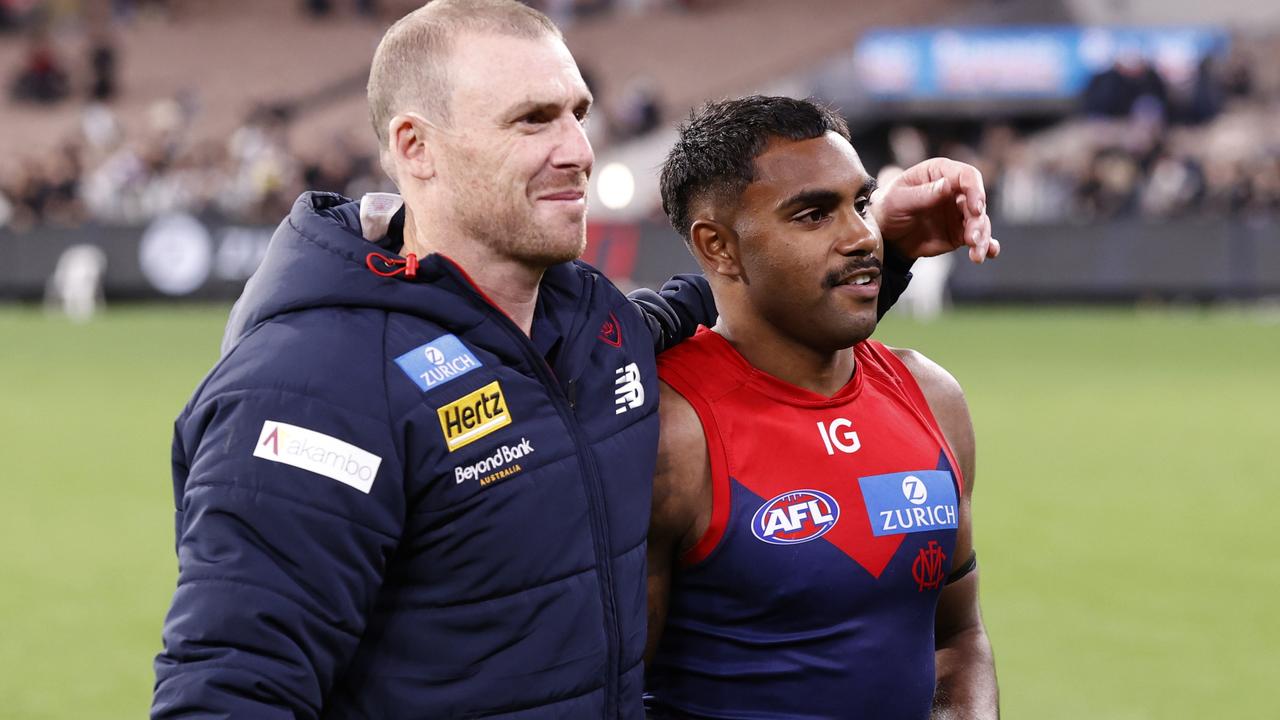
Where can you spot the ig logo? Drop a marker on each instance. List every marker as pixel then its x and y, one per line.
pixel 914 491
pixel 838 437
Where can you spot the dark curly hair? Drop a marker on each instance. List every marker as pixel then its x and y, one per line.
pixel 718 145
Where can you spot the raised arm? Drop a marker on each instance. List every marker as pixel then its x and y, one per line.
pixel 966 685
pixel 681 502
pixel 932 208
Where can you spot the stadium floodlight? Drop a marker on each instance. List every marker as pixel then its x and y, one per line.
pixel 617 186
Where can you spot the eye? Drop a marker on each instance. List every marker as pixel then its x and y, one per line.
pixel 812 216
pixel 536 117
pixel 862 205
pixel 583 114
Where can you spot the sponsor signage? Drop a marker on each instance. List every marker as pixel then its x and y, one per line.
pixel 474 416
pixel 1036 62
pixel 909 502
pixel 501 464
pixel 318 453
pixel 795 517
pixel 438 362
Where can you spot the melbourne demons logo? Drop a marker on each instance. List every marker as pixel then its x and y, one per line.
pixel 795 517
pixel 927 569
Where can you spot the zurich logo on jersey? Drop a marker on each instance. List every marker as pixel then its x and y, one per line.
pixel 910 502
pixel 794 517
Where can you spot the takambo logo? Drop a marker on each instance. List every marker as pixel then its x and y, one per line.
pixel 318 453
pixel 474 415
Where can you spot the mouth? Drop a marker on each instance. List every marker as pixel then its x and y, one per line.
pixel 862 282
pixel 566 196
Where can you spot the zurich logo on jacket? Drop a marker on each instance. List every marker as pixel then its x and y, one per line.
pixel 391 503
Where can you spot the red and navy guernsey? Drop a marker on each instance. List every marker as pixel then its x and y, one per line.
pixel 813 592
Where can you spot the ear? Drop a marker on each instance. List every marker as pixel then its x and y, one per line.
pixel 716 247
pixel 409 148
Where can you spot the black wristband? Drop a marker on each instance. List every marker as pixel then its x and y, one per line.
pixel 896 262
pixel 969 566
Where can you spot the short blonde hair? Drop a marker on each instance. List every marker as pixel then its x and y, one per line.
pixel 411 65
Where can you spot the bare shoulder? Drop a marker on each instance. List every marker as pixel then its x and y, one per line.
pixel 681 435
pixel 940 387
pixel 946 401
pixel 682 477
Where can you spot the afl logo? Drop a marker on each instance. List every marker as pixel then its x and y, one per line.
pixel 795 517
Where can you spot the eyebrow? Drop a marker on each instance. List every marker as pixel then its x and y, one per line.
pixel 825 198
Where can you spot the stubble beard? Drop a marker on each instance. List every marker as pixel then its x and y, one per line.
pixel 508 227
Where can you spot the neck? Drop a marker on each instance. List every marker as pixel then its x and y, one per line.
pixel 509 284
pixel 787 358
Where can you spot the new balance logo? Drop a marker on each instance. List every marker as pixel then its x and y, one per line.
pixel 628 389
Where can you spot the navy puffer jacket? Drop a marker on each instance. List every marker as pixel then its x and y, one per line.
pixel 391 503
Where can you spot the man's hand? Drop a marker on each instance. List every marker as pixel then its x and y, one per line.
pixel 934 207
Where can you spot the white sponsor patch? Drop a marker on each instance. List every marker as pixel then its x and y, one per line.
pixel 318 453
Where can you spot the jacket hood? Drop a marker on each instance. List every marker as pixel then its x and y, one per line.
pixel 318 257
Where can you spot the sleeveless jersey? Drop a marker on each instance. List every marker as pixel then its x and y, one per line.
pixel 812 593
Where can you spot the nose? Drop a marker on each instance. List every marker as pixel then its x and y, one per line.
pixel 860 236
pixel 573 151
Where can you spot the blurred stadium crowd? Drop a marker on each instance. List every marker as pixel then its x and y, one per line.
pixel 1136 145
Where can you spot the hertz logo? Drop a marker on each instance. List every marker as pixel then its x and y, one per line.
pixel 473 416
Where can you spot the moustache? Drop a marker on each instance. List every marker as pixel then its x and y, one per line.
pixel 834 277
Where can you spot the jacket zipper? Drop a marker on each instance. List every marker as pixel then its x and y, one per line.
pixel 595 494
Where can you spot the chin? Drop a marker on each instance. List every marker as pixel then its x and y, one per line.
pixel 549 248
pixel 855 332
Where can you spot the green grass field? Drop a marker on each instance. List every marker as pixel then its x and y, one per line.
pixel 1125 507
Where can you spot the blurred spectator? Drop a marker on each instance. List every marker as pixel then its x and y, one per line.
pixel 1111 186
pixel 102 67
pixel 1028 189
pixel 124 10
pixel 1114 92
pixel 324 8
pixel 15 14
pixel 1206 95
pixel 636 111
pixel 1175 186
pixel 1264 179
pixel 907 146
pixel 1228 187
pixel 42 78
